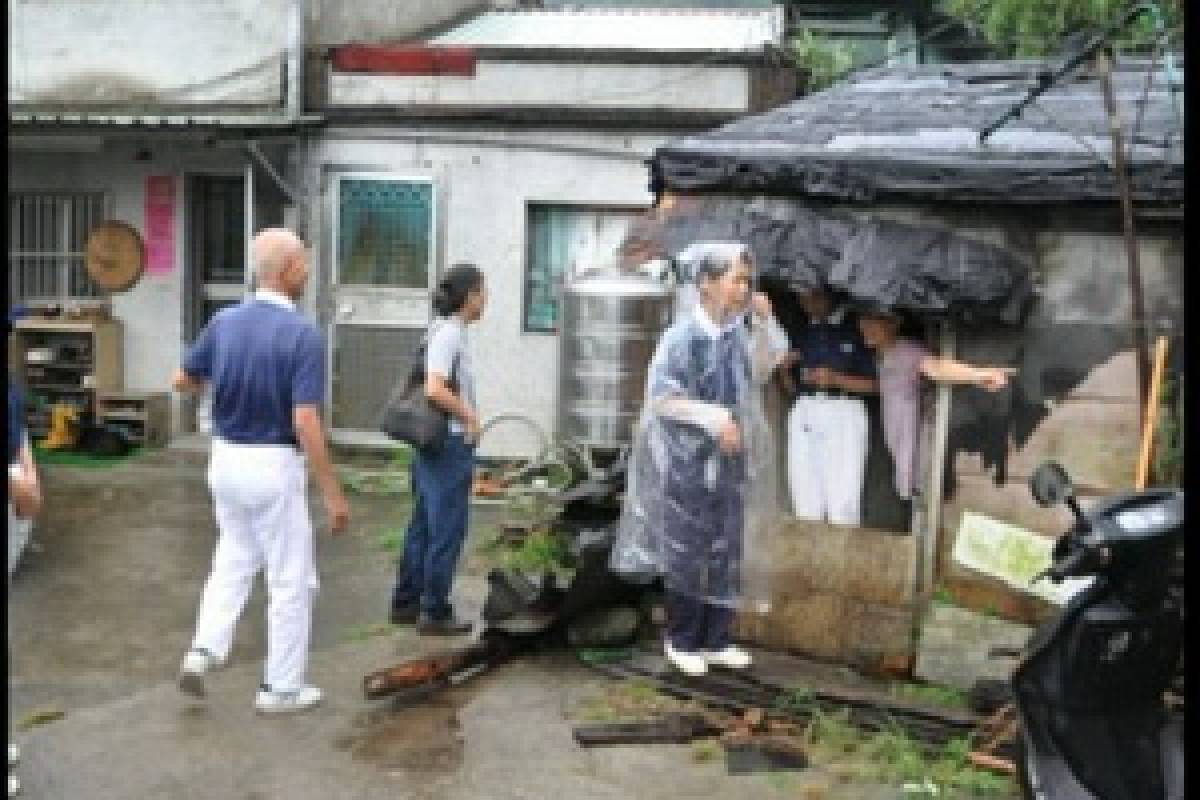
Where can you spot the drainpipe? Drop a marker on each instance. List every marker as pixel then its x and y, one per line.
pixel 295 59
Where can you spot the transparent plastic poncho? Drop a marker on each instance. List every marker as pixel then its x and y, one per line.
pixel 693 514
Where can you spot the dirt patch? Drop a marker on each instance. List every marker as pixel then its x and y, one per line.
pixel 425 738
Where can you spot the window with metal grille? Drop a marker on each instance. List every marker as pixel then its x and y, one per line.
pixel 564 240
pixel 47 235
pixel 385 232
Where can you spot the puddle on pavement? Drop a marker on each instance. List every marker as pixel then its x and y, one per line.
pixel 424 736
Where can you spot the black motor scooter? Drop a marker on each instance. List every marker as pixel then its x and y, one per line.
pixel 1090 689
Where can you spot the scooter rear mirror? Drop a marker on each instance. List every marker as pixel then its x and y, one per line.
pixel 1050 484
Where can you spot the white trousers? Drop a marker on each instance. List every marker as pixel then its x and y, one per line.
pixel 259 498
pixel 827 458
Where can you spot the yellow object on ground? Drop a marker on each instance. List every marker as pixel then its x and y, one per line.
pixel 64 428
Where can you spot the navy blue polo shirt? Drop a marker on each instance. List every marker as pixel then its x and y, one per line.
pixel 834 342
pixel 16 420
pixel 261 359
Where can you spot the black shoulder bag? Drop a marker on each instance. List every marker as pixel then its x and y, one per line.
pixel 409 415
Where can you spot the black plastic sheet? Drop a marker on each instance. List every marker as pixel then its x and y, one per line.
pixel 932 272
pixel 922 270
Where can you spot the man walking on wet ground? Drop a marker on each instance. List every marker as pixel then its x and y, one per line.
pixel 265 364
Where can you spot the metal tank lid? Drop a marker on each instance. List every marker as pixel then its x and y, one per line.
pixel 609 281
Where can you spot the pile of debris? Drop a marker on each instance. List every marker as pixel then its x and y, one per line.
pixel 760 725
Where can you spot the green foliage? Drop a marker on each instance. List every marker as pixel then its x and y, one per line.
pixel 1168 436
pixel 1034 28
pixel 931 694
pixel 799 700
pixel 539 552
pixel 390 540
pixel 892 756
pixel 359 633
pixel 825 59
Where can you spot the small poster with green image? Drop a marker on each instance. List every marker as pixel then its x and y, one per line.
pixel 1012 554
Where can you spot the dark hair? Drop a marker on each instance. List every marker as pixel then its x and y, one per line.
pixel 453 287
pixel 713 259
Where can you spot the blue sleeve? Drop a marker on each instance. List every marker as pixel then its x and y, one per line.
pixel 308 378
pixel 198 363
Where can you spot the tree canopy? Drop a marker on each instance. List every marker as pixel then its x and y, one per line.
pixel 1033 28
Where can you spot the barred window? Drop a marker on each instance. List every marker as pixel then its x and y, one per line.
pixel 47 235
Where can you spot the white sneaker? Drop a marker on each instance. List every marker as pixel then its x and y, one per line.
pixel 14 754
pixel 14 786
pixel 196 664
pixel 729 656
pixel 685 662
pixel 272 702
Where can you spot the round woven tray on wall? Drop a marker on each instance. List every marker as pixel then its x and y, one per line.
pixel 115 256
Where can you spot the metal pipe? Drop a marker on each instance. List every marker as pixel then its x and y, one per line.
pixel 1104 68
pixel 295 59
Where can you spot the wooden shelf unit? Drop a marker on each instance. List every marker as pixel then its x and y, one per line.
pixel 87 359
pixel 145 417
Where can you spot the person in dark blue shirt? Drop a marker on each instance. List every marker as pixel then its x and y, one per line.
pixel 265 365
pixel 831 368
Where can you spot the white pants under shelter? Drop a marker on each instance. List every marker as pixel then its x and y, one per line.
pixel 259 498
pixel 827 458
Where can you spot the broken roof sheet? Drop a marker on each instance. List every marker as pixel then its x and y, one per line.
pixel 657 30
pixel 914 132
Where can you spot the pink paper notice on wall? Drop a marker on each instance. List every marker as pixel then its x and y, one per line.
pixel 160 224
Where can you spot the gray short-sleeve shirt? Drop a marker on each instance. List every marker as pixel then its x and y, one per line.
pixel 448 339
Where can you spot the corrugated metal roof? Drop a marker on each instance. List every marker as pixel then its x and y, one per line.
pixel 725 30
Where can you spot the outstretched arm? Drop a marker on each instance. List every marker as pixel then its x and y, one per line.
pixel 949 370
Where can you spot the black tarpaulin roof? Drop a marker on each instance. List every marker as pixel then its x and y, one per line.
pixel 913 133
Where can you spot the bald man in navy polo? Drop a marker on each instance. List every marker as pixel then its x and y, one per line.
pixel 265 365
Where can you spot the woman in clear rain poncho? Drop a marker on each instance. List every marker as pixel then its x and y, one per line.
pixel 702 456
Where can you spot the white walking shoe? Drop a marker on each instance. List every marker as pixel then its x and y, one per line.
pixel 730 656
pixel 14 754
pixel 272 702
pixel 196 664
pixel 685 662
pixel 14 786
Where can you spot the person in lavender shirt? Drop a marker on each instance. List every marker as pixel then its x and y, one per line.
pixel 901 364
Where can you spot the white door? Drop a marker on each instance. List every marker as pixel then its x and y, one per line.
pixel 384 257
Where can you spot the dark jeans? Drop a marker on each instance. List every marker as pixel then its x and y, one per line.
pixel 441 484
pixel 694 625
pixel 703 555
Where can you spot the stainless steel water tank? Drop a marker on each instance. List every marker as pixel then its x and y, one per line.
pixel 610 322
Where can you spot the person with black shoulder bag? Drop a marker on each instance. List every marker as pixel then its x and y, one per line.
pixel 443 435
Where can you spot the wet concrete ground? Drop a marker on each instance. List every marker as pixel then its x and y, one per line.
pixel 102 609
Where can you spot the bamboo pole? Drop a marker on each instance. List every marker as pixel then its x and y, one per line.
pixel 1151 416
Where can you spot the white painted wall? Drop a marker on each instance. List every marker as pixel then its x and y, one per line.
pixel 567 85
pixel 488 186
pixel 151 313
pixel 132 52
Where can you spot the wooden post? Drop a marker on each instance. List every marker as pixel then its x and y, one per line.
pixel 1150 418
pixel 937 471
pixel 1104 67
